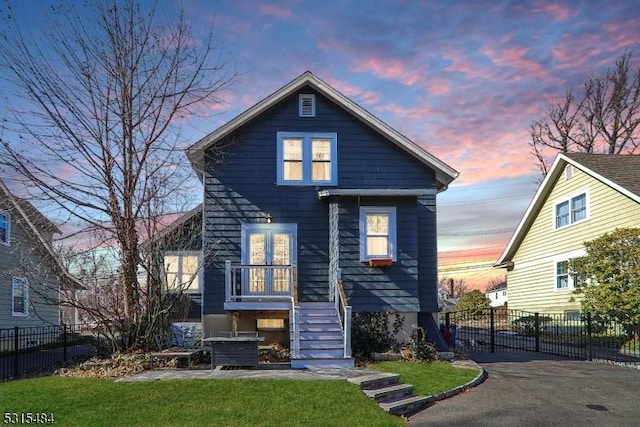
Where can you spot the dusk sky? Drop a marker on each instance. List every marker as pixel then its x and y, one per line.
pixel 463 79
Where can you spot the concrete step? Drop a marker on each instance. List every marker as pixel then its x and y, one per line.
pixel 319 320
pixel 322 363
pixel 391 393
pixel 313 327
pixel 320 335
pixel 320 344
pixel 407 406
pixel 323 353
pixel 319 312
pixel 316 305
pixel 373 381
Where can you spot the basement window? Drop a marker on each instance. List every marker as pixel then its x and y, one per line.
pixel 271 325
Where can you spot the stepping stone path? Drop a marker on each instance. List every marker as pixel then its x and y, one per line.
pixel 393 397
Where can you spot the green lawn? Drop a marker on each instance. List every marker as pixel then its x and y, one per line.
pixel 239 402
pixel 428 378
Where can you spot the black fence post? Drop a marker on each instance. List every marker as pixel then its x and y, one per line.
pixel 492 330
pixel 537 331
pixel 447 319
pixel 16 347
pixel 589 350
pixel 64 340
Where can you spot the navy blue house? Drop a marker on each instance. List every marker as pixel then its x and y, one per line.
pixel 313 209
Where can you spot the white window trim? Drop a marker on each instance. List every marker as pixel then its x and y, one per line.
pixel 306 157
pixel 570 202
pixel 393 237
pixel 561 258
pixel 25 284
pixel 7 241
pixel 200 269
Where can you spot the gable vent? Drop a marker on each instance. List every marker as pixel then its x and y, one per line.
pixel 307 105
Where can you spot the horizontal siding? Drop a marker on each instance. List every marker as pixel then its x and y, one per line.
pixel 533 289
pixel 532 282
pixel 240 187
pixel 21 247
pixel 393 288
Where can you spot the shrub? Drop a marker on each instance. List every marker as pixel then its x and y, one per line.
pixel 370 334
pixel 526 325
pixel 418 348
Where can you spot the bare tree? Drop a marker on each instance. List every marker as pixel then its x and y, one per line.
pixel 602 118
pixel 496 283
pixel 92 123
pixel 455 288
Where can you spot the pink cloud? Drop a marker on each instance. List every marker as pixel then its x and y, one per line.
pixel 558 11
pixel 439 86
pixel 367 97
pixel 390 69
pixel 515 57
pixel 275 11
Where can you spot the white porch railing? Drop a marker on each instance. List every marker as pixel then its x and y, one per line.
pixel 344 313
pixel 259 282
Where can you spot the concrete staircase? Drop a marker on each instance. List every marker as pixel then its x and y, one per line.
pixel 321 338
pixel 393 397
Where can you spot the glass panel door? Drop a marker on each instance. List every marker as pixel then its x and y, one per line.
pixel 266 247
pixel 257 256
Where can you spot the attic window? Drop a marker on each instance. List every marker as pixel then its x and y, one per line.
pixel 307 105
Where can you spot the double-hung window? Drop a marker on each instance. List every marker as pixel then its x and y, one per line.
pixel 562 275
pixel 20 297
pixel 377 233
pixel 183 271
pixel 4 228
pixel 306 158
pixel 571 211
pixel 566 276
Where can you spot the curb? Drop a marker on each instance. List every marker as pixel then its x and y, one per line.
pixel 479 379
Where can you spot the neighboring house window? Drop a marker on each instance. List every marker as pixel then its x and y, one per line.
pixel 20 297
pixel 377 233
pixel 307 158
pixel 4 228
pixel 571 211
pixel 566 278
pixel 183 271
pixel 572 315
pixel 579 208
pixel 562 275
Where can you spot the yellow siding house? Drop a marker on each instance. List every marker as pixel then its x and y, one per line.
pixel 582 197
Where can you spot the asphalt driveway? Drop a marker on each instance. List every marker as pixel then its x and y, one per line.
pixel 532 389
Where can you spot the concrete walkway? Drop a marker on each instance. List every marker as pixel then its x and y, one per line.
pixel 263 372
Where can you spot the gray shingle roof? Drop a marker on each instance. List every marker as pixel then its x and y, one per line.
pixel 624 170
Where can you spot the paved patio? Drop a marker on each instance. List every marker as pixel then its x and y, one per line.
pixel 263 372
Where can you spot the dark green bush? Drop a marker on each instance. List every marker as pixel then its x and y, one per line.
pixel 370 334
pixel 526 325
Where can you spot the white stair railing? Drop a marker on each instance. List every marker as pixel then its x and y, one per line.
pixel 344 313
pixel 295 318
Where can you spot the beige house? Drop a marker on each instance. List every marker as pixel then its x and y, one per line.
pixel 582 197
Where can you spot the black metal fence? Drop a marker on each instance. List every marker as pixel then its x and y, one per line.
pixel 28 350
pixel 583 336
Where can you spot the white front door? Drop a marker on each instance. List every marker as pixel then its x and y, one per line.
pixel 268 252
